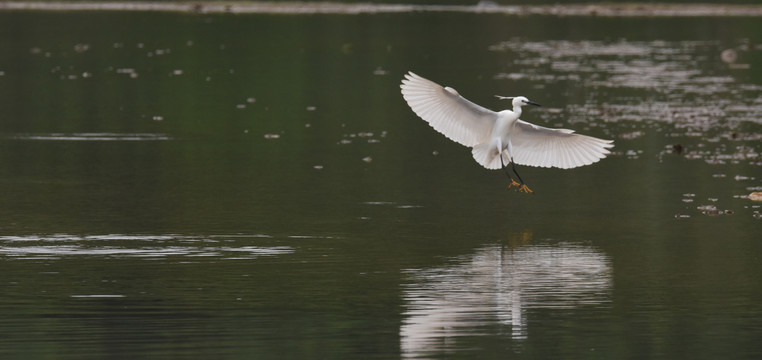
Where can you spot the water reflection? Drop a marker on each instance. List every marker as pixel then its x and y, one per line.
pixel 498 286
pixel 32 247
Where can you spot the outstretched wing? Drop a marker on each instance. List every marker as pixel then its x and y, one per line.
pixel 540 146
pixel 447 112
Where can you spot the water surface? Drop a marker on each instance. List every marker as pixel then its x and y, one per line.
pixel 224 186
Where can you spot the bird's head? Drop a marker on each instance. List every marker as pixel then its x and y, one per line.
pixel 517 100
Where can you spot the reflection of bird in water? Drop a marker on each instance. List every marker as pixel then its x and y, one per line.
pixel 499 137
pixel 499 285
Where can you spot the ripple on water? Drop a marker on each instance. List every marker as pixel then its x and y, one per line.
pixel 58 246
pixel 91 137
pixel 642 89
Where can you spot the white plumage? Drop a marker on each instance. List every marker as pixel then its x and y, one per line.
pixel 491 133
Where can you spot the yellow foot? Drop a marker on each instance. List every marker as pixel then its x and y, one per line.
pixel 514 183
pixel 526 189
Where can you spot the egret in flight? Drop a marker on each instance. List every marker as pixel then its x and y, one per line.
pixel 499 137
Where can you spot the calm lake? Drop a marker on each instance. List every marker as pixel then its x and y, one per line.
pixel 179 185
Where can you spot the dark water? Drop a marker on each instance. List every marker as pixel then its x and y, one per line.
pixel 252 186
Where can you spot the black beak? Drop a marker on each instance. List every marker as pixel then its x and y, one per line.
pixel 533 103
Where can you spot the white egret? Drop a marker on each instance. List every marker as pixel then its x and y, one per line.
pixel 493 135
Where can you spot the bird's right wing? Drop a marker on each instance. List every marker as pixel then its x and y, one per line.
pixel 545 147
pixel 447 112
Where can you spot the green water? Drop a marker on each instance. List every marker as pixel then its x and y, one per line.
pixel 253 186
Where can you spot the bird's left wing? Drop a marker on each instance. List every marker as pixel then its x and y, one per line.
pixel 447 112
pixel 545 147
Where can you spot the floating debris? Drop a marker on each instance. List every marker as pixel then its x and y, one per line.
pixel 729 56
pixel 633 154
pixel 677 149
pixel 707 208
pixel 755 196
pixel 367 159
pixel 272 136
pixel 370 136
pixel 712 212
pixel 80 48
pixel 131 72
pixel 318 167
pixel 682 107
pixel 311 108
pixel 631 135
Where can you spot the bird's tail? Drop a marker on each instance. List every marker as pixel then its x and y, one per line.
pixel 487 155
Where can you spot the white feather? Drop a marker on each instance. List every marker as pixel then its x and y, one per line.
pixel 447 112
pixel 491 133
pixel 544 147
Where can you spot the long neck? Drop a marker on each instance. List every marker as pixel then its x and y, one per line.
pixel 517 110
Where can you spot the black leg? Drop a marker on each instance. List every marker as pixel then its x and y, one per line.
pixel 513 166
